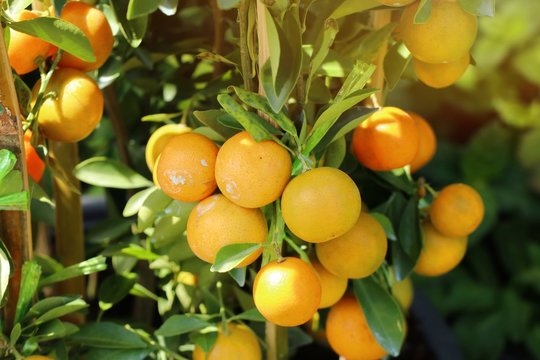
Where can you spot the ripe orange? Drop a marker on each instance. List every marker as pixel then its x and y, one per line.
pixel 34 165
pixel 427 143
pixel 441 75
pixel 447 36
pixel 252 174
pixel 332 287
pixel 240 343
pixel 159 138
pixel 387 140
pixel 185 170
pixel 403 291
pixel 320 204
pixel 287 293
pixel 440 253
pixel 74 111
pixel 24 50
pixel 396 3
pixel 349 334
pixel 357 253
pixel 39 357
pixel 94 25
pixel 216 222
pixel 457 210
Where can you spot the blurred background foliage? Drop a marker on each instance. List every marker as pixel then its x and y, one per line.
pixel 488 126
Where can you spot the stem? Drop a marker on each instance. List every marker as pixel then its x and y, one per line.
pixel 243 13
pixel 118 123
pixel 380 19
pixel 222 308
pixel 217 48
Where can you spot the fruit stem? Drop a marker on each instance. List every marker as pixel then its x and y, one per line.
pixel 430 189
pixel 45 78
pixel 222 309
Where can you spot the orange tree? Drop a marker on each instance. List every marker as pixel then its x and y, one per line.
pixel 256 174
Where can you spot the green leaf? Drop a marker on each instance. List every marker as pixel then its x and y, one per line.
pixel 54 329
pixel 7 162
pixel 136 201
pixel 119 354
pixel 210 119
pixel 16 201
pixel 139 252
pixel 61 310
pixel 386 224
pixel 372 43
pixel 330 116
pixel 5 272
pixel 89 266
pixel 141 291
pixel 133 30
pixel 238 275
pixel 48 304
pixel 230 256
pixel 396 61
pixel 15 334
pixel 249 315
pixel 249 121
pixel 479 7
pixel 180 324
pixel 156 202
pixel 335 153
pixel 423 13
pixel 115 288
pixel 409 232
pixel 58 32
pixel 349 7
pixel 168 7
pixel 103 172
pixel 260 103
pixel 321 49
pixel 383 314
pixel 108 335
pixel 162 117
pixel 16 6
pixel 205 339
pixel 356 80
pixel 31 273
pixel 138 8
pixel 11 183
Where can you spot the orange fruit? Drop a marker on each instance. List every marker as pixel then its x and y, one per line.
pixel 332 287
pixel 441 75
pixel 239 343
pixel 74 111
pixel 357 253
pixel 38 357
pixel 186 165
pixel 94 25
pixel 216 222
pixel 320 204
pixel 252 174
pixel 447 36
pixel 34 165
pixel 403 291
pixel 287 293
pixel 387 140
pixel 24 49
pixel 396 3
pixel 348 332
pixel 457 210
pixel 159 138
pixel 440 253
pixel 427 143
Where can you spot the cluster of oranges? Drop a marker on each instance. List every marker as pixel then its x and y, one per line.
pixel 73 104
pixel 321 206
pixel 440 46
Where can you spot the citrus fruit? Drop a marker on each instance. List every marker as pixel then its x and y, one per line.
pixel 75 108
pixel 447 36
pixel 94 25
pixel 440 253
pixel 320 204
pixel 185 170
pixel 159 139
pixel 287 293
pixel 387 140
pixel 38 357
pixel 332 287
pixel 396 3
pixel 457 210
pixel 154 173
pixel 216 222
pixel 252 174
pixel 403 292
pixel 239 343
pixel 427 143
pixel 24 49
pixel 34 165
pixel 357 253
pixel 441 75
pixel 348 332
